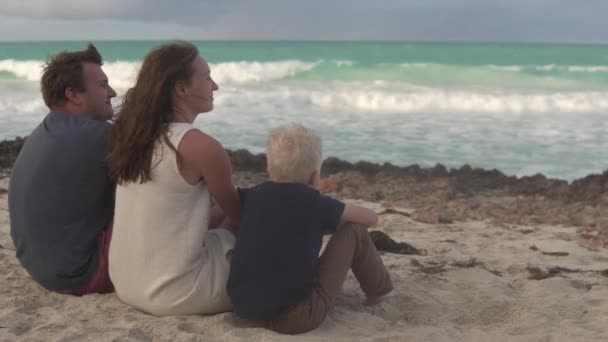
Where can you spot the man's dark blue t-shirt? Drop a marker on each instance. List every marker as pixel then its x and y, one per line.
pixel 60 198
pixel 277 248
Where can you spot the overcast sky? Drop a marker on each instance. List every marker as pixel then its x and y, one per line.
pixel 574 21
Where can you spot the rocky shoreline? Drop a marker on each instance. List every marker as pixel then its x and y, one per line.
pixel 442 195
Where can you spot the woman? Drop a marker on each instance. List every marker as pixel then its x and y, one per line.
pixel 165 257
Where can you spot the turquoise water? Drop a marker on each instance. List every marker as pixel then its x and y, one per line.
pixel 532 66
pixel 522 108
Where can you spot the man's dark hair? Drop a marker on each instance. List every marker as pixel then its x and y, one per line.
pixel 65 70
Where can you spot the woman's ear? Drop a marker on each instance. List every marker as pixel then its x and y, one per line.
pixel 180 88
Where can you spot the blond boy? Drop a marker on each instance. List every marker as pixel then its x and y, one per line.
pixel 277 276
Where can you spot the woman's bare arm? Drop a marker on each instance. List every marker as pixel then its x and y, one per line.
pixel 208 159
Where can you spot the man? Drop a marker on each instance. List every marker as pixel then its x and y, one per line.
pixel 61 198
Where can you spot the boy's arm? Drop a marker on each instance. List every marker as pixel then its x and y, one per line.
pixel 356 214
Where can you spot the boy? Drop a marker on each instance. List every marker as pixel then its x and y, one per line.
pixel 277 276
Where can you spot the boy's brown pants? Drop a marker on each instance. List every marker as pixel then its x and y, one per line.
pixel 350 247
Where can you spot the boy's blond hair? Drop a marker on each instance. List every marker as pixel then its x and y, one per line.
pixel 293 153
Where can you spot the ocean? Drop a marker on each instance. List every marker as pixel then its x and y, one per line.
pixel 520 108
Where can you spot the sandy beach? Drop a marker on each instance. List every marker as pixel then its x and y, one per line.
pixel 503 259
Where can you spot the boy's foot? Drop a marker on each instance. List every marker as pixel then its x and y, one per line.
pixel 373 300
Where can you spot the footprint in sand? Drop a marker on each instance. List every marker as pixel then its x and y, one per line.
pixel 388 310
pixel 31 305
pixel 189 328
pixel 139 335
pixel 580 285
pixel 20 328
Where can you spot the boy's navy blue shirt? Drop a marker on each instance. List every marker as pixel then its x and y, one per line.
pixel 277 248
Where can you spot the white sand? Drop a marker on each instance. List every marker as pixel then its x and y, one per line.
pixel 467 301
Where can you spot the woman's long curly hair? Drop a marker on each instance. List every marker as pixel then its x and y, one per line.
pixel 146 111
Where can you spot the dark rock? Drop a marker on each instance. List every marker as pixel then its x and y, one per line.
pixel 589 188
pixel 9 150
pixel 419 186
pixel 390 211
pixel 472 262
pixel 439 170
pixel 444 218
pixel 334 165
pixel 243 160
pixel 431 268
pixel 467 180
pixel 367 168
pixel 384 243
pixel 378 196
pixel 556 253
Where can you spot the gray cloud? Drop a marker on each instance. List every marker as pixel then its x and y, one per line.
pixel 446 20
pixel 87 9
pixel 137 10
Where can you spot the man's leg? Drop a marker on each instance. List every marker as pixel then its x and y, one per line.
pixel 100 282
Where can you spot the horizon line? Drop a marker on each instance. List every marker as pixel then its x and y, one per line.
pixel 501 42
